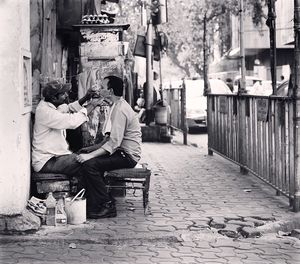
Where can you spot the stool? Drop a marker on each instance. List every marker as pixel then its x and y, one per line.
pixel 130 178
pixel 53 182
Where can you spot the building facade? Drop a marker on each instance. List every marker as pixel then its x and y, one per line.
pixel 257 45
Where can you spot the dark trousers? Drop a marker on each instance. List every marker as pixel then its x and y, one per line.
pixel 65 164
pixel 92 177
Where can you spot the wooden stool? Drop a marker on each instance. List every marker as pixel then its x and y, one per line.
pixel 52 182
pixel 134 178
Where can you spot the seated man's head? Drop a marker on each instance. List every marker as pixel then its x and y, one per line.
pixel 114 84
pixel 56 92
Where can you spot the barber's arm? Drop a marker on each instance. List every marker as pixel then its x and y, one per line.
pixel 89 94
pixel 84 157
pixel 94 147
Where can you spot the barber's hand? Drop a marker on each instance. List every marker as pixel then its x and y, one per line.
pixel 83 157
pixel 92 92
pixel 86 150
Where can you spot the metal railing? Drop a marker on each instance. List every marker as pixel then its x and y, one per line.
pixel 256 133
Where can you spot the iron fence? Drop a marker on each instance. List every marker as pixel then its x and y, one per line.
pixel 256 133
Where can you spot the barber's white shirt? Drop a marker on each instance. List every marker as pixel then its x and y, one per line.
pixel 49 132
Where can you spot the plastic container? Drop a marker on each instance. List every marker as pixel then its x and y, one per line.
pixel 161 114
pixel 50 205
pixel 60 214
pixel 76 208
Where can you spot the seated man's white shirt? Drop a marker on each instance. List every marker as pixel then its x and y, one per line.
pixel 49 134
pixel 125 131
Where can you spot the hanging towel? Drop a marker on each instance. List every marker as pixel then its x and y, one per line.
pixel 107 123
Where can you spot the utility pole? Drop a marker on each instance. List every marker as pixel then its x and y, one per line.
pixel 149 73
pixel 242 99
pixel 296 104
pixel 242 86
pixel 205 62
pixel 271 23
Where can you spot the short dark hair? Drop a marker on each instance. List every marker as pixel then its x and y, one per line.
pixel 116 84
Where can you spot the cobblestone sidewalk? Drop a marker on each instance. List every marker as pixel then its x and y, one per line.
pixel 188 190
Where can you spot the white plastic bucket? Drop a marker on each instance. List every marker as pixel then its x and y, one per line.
pixel 76 209
pixel 161 115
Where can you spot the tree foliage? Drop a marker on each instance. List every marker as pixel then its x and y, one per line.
pixel 187 30
pixel 185 27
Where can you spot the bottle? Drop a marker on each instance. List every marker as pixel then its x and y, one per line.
pixel 50 205
pixel 60 213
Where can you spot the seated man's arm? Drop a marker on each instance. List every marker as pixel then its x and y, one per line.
pixel 114 141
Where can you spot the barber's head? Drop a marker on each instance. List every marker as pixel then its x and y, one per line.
pixel 115 84
pixel 56 92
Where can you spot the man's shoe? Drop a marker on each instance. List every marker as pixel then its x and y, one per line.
pixel 106 211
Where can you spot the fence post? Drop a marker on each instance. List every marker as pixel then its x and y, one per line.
pixel 242 99
pixel 296 98
pixel 183 113
pixel 209 124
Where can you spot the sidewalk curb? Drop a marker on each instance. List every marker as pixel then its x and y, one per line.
pixel 283 225
pixel 113 240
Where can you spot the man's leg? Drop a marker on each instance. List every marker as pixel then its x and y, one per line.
pixel 65 164
pixel 93 171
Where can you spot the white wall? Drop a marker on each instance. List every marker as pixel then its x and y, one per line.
pixel 14 126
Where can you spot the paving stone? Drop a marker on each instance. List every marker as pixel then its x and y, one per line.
pixel 8 260
pixel 188 259
pixel 217 222
pixel 251 257
pixel 230 230
pixel 226 252
pixel 237 244
pixel 241 223
pixel 209 255
pixel 233 218
pixel 250 232
pixel 296 233
pixel 264 217
pixel 220 261
pixel 256 222
pixel 234 260
pixel 143 260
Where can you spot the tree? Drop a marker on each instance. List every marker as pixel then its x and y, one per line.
pixel 188 40
pixel 191 36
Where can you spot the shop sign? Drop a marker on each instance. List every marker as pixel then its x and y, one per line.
pixel 262 109
pixel 223 105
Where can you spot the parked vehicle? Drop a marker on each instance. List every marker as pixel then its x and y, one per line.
pixel 250 81
pixel 196 102
pixel 264 88
pixel 283 89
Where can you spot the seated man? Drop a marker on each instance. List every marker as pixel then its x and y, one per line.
pixel 50 150
pixel 122 149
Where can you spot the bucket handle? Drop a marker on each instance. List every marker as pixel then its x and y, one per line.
pixel 77 195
